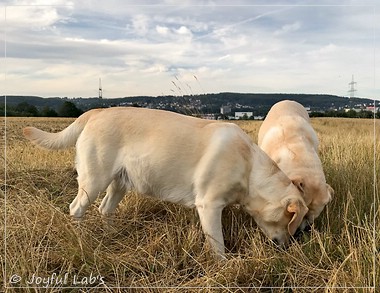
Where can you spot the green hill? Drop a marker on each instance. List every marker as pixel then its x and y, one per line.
pixel 259 104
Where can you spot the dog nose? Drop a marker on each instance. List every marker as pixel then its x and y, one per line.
pixel 280 242
pixel 298 234
pixel 305 225
pixel 307 228
pixel 276 241
pixel 300 231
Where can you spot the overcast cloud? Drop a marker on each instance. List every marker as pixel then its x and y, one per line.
pixel 203 46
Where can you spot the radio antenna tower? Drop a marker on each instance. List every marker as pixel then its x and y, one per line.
pixel 352 89
pixel 100 89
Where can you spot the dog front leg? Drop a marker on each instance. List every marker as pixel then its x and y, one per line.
pixel 211 221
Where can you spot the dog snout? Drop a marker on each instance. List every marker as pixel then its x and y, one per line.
pixel 302 231
pixel 276 241
pixel 305 225
pixel 279 241
pixel 307 228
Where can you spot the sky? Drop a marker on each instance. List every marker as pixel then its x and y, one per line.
pixel 62 48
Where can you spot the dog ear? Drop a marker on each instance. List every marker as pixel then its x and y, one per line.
pixel 330 191
pixel 298 182
pixel 299 210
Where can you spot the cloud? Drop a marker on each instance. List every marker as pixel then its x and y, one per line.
pixel 240 47
pixel 155 68
pixel 288 28
pixel 140 24
pixel 162 30
pixel 36 14
pixel 183 30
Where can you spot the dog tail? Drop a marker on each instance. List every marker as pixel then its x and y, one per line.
pixel 60 140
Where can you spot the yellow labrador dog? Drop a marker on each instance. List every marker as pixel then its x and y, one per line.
pixel 181 159
pixel 288 138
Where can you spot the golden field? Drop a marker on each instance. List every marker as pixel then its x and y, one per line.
pixel 154 246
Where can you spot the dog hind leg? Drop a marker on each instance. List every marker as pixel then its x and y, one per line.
pixel 90 185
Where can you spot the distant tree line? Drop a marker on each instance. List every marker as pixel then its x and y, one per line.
pixel 24 109
pixel 69 109
pixel 344 114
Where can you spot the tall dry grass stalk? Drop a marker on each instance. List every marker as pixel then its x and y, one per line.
pixel 153 246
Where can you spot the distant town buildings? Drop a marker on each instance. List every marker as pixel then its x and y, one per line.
pixel 362 107
pixel 225 110
pixel 243 115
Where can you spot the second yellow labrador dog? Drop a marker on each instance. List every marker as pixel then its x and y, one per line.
pixel 194 162
pixel 288 138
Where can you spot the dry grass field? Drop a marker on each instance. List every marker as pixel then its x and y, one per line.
pixel 153 246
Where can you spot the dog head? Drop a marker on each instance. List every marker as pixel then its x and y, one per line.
pixel 316 193
pixel 278 216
